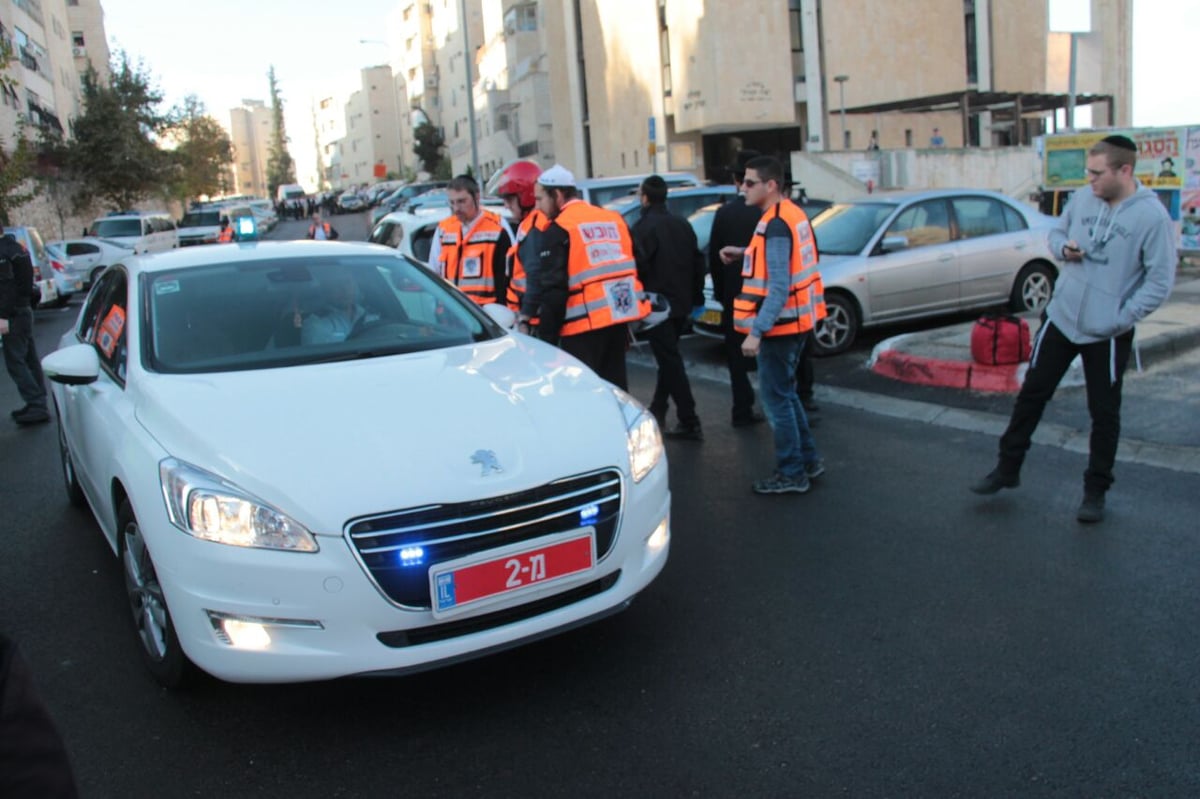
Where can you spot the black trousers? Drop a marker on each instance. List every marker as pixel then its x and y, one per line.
pixel 602 350
pixel 804 370
pixel 22 361
pixel 739 367
pixel 672 382
pixel 1104 365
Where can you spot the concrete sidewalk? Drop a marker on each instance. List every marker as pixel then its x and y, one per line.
pixel 942 356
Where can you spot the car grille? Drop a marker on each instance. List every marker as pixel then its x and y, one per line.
pixel 451 531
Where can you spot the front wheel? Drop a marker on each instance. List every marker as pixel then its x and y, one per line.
pixel 1032 289
pixel 161 651
pixel 837 331
pixel 70 479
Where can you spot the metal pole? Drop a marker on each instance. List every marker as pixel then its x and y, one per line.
pixel 467 58
pixel 1071 88
pixel 841 82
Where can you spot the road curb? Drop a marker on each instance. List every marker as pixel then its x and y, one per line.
pixel 891 360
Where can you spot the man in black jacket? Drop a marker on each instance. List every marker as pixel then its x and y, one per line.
pixel 16 331
pixel 734 224
pixel 669 263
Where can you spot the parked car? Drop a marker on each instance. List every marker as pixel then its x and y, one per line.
pixel 264 214
pixel 891 257
pixel 681 200
pixel 44 287
pixel 411 234
pixel 68 276
pixel 144 231
pixel 200 226
pixel 601 191
pixel 459 527
pixel 91 256
pixel 396 200
pixel 351 201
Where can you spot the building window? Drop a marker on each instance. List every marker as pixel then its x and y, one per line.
pixel 908 137
pixel 520 19
pixel 972 49
pixel 794 24
pixel 664 47
pixel 77 39
pixel 846 140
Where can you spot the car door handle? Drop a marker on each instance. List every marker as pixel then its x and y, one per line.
pixel 946 257
pixel 1020 246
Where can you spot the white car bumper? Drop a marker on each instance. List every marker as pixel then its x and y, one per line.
pixel 325 617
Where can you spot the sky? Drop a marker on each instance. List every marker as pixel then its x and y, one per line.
pixel 220 50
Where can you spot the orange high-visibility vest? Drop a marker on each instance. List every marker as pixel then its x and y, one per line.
pixel 517 279
pixel 805 305
pixel 602 283
pixel 226 235
pixel 312 230
pixel 468 264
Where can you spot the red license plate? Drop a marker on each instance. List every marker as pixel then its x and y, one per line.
pixel 514 569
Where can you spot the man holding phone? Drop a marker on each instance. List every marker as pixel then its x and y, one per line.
pixel 1116 245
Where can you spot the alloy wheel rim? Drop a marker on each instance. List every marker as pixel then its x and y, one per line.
pixel 1037 292
pixel 145 594
pixel 833 329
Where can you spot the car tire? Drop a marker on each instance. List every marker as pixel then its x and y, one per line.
pixel 837 331
pixel 1033 288
pixel 70 479
pixel 159 644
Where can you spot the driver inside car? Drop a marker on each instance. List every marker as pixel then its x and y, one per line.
pixel 340 316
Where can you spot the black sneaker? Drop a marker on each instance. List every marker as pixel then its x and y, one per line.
pixel 1091 510
pixel 32 416
pixel 815 469
pixel 745 420
pixel 18 412
pixel 996 481
pixel 781 484
pixel 810 404
pixel 691 432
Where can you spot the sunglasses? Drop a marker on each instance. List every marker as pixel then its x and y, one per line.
pixel 750 182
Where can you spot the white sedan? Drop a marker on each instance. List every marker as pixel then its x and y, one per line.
pixel 316 459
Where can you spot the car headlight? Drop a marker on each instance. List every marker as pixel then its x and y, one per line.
pixel 642 436
pixel 208 507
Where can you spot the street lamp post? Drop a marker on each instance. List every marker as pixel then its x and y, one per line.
pixel 841 82
pixel 467 59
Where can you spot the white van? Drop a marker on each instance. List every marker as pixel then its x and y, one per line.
pixel 144 231
pixel 286 192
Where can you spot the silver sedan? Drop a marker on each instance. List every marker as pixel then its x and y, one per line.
pixel 898 256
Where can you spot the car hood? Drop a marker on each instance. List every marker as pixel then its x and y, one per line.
pixel 328 442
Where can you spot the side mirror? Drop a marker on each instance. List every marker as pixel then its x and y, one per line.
pixel 77 365
pixel 505 317
pixel 893 244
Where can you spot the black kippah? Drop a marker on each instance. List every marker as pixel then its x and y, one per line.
pixel 1124 142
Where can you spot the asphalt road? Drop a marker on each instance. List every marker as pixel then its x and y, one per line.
pixel 887 634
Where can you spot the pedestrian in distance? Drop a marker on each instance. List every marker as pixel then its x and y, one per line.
pixel 225 236
pixel 669 263
pixel 590 289
pixel 16 331
pixel 470 248
pixel 515 186
pixel 734 224
pixel 782 300
pixel 321 230
pixel 1116 249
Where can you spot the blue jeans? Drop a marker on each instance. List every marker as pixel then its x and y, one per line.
pixel 778 357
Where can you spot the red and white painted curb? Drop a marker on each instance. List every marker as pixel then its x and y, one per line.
pixel 890 359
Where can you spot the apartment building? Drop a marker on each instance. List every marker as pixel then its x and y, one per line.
pixel 250 129
pixel 46 64
pixel 709 77
pixel 329 131
pixel 372 145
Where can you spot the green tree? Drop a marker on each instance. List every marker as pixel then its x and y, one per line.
pixel 280 167
pixel 202 153
pixel 427 146
pixel 115 151
pixel 57 180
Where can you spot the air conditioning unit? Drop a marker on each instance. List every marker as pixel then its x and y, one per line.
pixel 79 52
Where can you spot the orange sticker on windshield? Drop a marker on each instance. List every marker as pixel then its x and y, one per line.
pixel 110 330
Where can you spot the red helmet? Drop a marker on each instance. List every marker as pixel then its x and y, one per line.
pixel 518 178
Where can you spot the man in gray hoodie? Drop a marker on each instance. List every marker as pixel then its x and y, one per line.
pixel 1115 243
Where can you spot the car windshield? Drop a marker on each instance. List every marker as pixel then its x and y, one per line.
pixel 117 227
pixel 201 219
pixel 845 228
pixel 290 312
